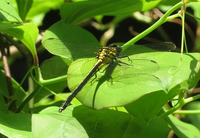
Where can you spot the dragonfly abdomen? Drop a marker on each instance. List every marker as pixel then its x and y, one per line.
pixel 105 56
pixel 80 86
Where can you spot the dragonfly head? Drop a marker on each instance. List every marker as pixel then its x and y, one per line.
pixel 117 47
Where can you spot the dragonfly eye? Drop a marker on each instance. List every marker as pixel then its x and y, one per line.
pixel 119 49
pixel 113 45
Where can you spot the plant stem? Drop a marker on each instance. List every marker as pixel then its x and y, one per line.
pixel 38 88
pixel 180 104
pixel 54 80
pixel 187 112
pixel 162 20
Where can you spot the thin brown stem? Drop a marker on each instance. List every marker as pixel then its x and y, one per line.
pixel 8 77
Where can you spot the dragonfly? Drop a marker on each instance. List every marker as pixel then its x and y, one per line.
pixel 105 56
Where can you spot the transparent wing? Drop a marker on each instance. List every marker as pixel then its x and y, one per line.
pixel 112 86
pixel 162 46
pixel 73 50
pixel 119 84
pixel 67 49
pixel 76 50
pixel 153 47
pixel 134 70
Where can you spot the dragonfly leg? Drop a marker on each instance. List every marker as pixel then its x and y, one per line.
pixel 124 56
pixel 119 61
pixel 95 76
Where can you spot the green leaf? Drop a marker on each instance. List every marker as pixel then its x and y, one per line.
pixel 12 126
pixel 75 12
pixel 9 17
pixel 8 12
pixel 11 24
pixel 6 25
pixel 158 128
pixel 181 129
pixel 172 84
pixel 132 82
pixel 84 122
pixel 142 107
pixel 23 7
pixel 40 8
pixel 27 34
pixel 69 41
pixel 56 87
pixel 193 118
pixel 54 67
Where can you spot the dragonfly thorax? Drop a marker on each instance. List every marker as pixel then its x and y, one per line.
pixel 117 48
pixel 107 54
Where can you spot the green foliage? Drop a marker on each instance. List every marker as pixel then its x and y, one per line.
pixel 182 129
pixel 85 9
pixel 120 101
